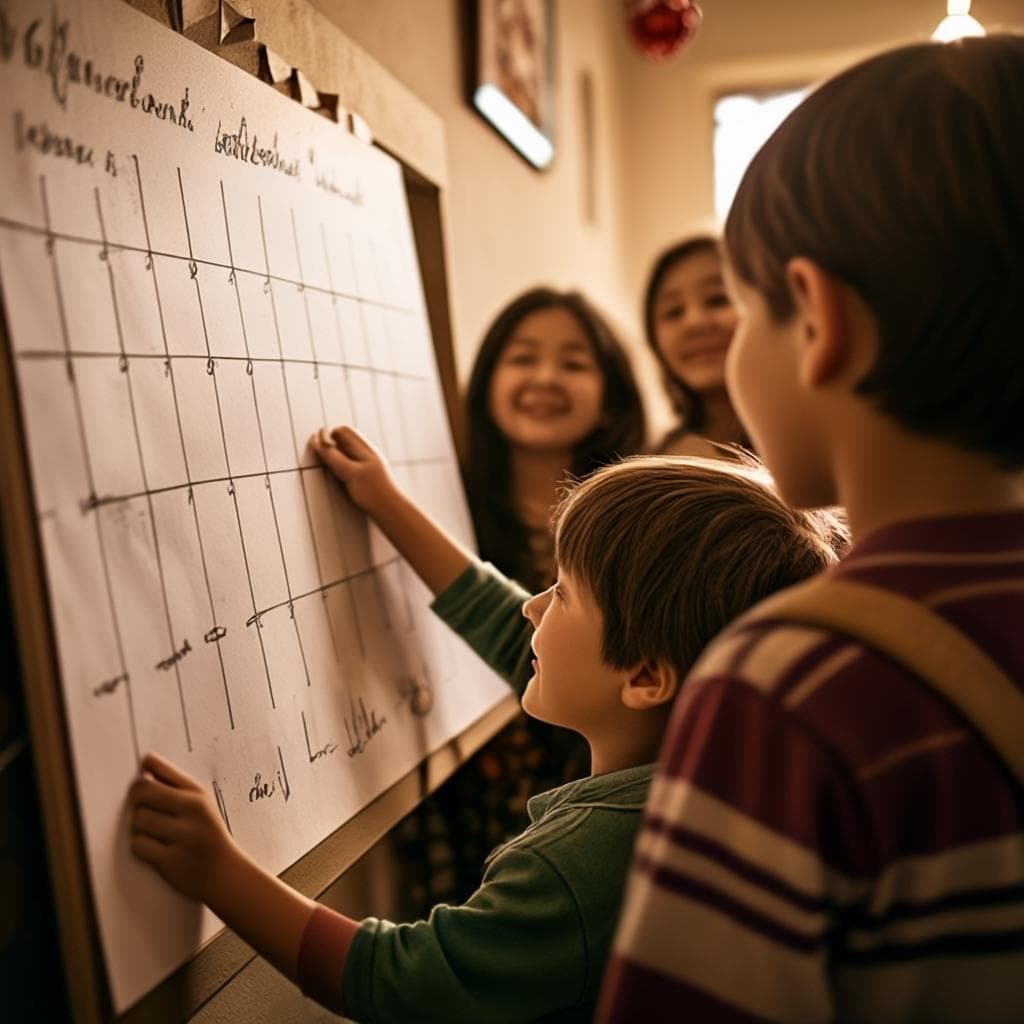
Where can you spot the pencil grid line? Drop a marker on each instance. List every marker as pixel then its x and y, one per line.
pixel 112 246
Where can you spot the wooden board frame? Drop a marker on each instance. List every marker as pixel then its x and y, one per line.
pixel 412 133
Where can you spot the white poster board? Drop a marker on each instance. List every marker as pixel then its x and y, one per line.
pixel 197 274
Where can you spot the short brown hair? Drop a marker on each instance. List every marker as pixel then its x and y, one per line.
pixel 902 177
pixel 674 548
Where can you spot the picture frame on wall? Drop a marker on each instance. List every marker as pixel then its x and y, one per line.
pixel 512 82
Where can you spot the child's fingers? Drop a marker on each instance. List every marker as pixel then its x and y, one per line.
pixel 150 850
pixel 352 443
pixel 167 773
pixel 149 792
pixel 335 460
pixel 147 822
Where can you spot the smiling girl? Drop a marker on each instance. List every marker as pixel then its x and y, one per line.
pixel 551 393
pixel 689 322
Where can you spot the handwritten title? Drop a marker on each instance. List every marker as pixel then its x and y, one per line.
pixel 45 46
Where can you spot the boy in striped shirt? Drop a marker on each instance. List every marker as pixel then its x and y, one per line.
pixel 825 838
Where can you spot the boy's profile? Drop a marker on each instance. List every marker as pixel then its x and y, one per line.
pixel 655 557
pixel 863 860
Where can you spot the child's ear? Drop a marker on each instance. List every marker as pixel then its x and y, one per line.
pixel 819 300
pixel 649 685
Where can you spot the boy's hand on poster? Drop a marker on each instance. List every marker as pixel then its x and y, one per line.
pixel 175 828
pixel 358 465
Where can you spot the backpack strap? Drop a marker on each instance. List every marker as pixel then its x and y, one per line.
pixel 941 655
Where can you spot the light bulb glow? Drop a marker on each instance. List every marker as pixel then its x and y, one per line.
pixel 957 26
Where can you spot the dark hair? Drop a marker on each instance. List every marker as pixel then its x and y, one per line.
pixel 502 536
pixel 673 548
pixel 902 177
pixel 686 402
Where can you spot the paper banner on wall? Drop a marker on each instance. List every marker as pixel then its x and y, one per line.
pixel 197 274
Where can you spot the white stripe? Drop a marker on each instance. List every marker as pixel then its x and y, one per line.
pixel 780 648
pixel 995 863
pixel 695 943
pixel 660 849
pixel 681 803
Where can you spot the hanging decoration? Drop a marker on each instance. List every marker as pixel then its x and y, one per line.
pixel 662 28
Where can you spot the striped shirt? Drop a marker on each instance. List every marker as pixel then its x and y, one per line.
pixel 825 839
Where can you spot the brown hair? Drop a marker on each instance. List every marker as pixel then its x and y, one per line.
pixel 675 548
pixel 902 178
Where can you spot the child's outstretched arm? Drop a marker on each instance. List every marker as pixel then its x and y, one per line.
pixel 436 557
pixel 176 829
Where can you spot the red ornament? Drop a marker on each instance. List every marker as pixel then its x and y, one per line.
pixel 661 28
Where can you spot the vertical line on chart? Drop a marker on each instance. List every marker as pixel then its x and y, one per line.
pixel 263 447
pixel 284 772
pixel 87 461
pixel 181 436
pixel 309 321
pixel 350 589
pixel 298 453
pixel 211 370
pixel 371 365
pixel 342 355
pixel 142 469
pixel 221 806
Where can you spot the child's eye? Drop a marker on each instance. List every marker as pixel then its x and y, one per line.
pixel 578 365
pixel 717 301
pixel 672 312
pixel 519 359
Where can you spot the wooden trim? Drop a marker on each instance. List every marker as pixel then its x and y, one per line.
pixel 44 707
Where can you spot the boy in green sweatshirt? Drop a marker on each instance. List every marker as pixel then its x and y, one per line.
pixel 655 556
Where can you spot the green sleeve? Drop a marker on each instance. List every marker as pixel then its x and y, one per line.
pixel 514 952
pixel 486 610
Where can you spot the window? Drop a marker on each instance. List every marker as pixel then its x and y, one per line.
pixel 743 121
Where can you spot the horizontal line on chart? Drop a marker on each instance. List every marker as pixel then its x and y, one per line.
pixel 256 616
pixel 263 275
pixel 88 354
pixel 94 501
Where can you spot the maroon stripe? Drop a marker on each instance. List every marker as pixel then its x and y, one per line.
pixel 633 994
pixel 872 707
pixel 940 800
pixel 922 580
pixel 738 745
pixel 811 661
pixel 675 881
pixel 688 840
pixel 995 531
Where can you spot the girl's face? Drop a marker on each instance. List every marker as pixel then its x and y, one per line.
pixel 547 390
pixel 694 321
